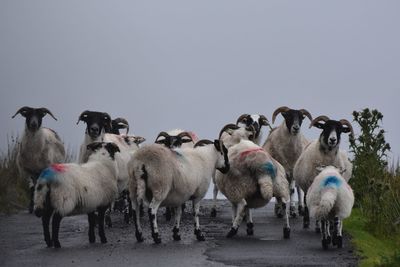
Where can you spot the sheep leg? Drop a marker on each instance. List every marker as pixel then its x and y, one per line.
pixel 292 203
pixel 286 228
pixel 249 219
pixel 214 207
pixel 306 218
pixel 92 225
pixel 197 231
pixel 238 218
pixel 46 231
pixel 280 207
pixel 300 196
pixel 337 232
pixel 108 215
pixel 234 210
pixel 153 208
pixel 168 214
pixel 317 226
pixel 101 211
pixel 136 218
pixel 325 234
pixel 55 229
pixel 175 231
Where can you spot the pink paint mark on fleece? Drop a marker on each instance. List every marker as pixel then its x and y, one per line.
pixel 249 151
pixel 195 138
pixel 58 167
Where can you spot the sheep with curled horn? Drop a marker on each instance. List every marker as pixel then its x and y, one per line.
pixel 254 177
pixel 176 138
pixel 39 147
pixel 324 151
pixel 285 143
pixel 161 176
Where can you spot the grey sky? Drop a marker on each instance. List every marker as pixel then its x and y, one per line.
pixel 197 64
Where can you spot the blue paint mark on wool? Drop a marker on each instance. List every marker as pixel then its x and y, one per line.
pixel 48 174
pixel 331 181
pixel 269 168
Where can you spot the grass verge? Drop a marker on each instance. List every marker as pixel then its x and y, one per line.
pixel 373 251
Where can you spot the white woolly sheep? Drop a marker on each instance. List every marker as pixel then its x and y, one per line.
pixel 38 148
pixel 322 152
pixel 285 144
pixel 71 188
pixel 164 177
pixel 252 180
pixel 330 198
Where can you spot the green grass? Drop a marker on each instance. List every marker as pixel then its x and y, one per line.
pixel 369 248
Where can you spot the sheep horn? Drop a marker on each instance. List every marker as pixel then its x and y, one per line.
pixel 46 111
pixel 227 127
pixel 319 118
pixel 263 120
pixel 20 110
pixel 348 124
pixel 241 118
pixel 83 116
pixel 277 111
pixel 203 142
pixel 121 123
pixel 164 134
pixel 183 134
pixel 306 113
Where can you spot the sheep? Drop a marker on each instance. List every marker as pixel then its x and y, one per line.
pixel 330 198
pixel 254 177
pixel 164 177
pixel 71 188
pixel 39 147
pixel 323 151
pixel 285 143
pixel 175 139
pixel 98 128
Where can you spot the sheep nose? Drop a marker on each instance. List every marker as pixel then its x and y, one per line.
pixel 332 140
pixel 296 128
pixel 94 129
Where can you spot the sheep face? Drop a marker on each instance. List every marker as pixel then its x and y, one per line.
pixel 96 123
pixel 102 149
pixel 33 117
pixel 293 120
pixel 331 133
pixel 255 120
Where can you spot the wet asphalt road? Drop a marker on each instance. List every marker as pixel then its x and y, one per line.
pixel 21 243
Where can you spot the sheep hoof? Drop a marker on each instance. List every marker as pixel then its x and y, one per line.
pixel 286 232
pixel 92 239
pixel 49 243
pixel 156 238
pixel 176 235
pixel 199 235
pixel 57 244
pixel 317 230
pixel 213 213
pixel 325 244
pixel 232 233
pixel 250 230
pixel 339 242
pixel 139 236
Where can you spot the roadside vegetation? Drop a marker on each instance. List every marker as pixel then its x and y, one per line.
pixel 375 221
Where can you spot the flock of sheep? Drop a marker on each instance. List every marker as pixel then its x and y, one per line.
pixel 178 167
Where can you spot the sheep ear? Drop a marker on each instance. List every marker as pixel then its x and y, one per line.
pixel 83 117
pixel 45 111
pixel 23 111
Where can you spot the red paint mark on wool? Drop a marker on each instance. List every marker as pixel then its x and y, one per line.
pixel 195 138
pixel 249 151
pixel 58 167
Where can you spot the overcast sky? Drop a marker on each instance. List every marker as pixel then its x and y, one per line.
pixel 197 65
